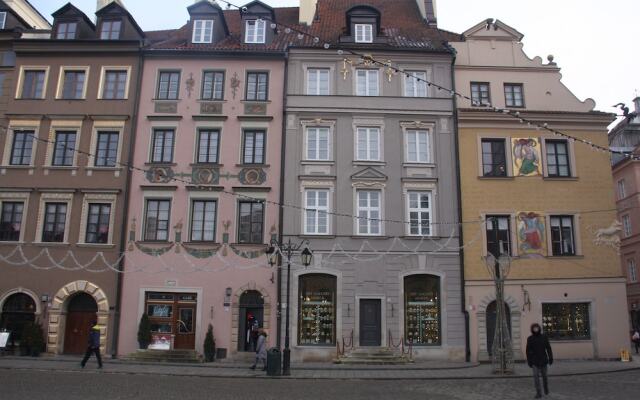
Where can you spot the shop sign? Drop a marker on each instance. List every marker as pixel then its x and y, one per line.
pixel 4 339
pixel 160 342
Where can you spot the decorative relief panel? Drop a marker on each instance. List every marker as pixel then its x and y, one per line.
pixel 166 107
pixel 210 108
pixel 252 176
pixel 205 176
pixel 255 108
pixel 160 174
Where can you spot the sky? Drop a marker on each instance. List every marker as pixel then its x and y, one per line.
pixel 594 42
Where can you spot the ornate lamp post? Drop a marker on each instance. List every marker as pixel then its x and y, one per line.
pixel 287 250
pixel 502 351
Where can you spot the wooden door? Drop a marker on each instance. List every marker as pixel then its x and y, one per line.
pixel 185 327
pixel 370 322
pixel 76 336
pixel 491 323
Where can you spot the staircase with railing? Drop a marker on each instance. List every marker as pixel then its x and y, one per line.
pixel 393 354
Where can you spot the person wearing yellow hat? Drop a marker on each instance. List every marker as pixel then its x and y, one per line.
pixel 93 345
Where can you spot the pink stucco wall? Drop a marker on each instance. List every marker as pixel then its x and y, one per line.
pixel 176 270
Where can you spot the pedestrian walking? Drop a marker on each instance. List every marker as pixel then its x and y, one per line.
pixel 635 338
pixel 539 356
pixel 261 350
pixel 93 345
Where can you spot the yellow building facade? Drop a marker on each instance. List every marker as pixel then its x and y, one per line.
pixel 549 195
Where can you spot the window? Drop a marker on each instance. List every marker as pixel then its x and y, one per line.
pixel 110 30
pixel 3 19
pixel 369 212
pixel 368 144
pixel 626 225
pixel 213 85
pixel 633 272
pixel 98 219
pixel 317 310
pixel 208 141
pixel 422 310
pixel 316 221
pixel 156 220
pixel 480 94
pixel 318 81
pixel 64 149
pixel 255 31
pixel 168 85
pixel 494 160
pixel 562 236
pixel 33 84
pixel 513 95
pixel 498 242
pixel 257 86
pixel 162 150
pixel 558 158
pixel 622 190
pixel 73 86
pixel 107 149
pixel 202 31
pixel 566 321
pixel 66 30
pixel 203 220
pixel 22 147
pixel 253 149
pixel 250 222
pixel 11 221
pixel 415 84
pixel 364 33
pixel 115 85
pixel 367 82
pixel 318 144
pixel 55 216
pixel 420 214
pixel 418 146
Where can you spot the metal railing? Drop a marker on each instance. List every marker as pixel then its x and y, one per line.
pixel 341 351
pixel 403 351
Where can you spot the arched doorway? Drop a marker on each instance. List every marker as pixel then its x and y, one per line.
pixel 81 313
pixel 251 307
pixel 18 310
pixel 491 323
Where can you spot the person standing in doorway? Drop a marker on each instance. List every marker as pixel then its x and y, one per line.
pixel 93 345
pixel 261 350
pixel 635 338
pixel 539 356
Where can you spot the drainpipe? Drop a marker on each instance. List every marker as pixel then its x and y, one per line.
pixel 467 352
pixel 283 147
pixel 123 232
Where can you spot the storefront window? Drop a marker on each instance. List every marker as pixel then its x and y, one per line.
pixel 566 321
pixel 422 310
pixel 317 316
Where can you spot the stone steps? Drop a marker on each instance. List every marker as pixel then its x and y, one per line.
pixel 165 356
pixel 376 356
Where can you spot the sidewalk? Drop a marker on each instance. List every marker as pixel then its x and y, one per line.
pixel 417 371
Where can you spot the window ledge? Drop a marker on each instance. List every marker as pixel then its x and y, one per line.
pixel 9 243
pixel 317 162
pixel 30 99
pixel 249 245
pixel 103 99
pixel 61 167
pixel 253 165
pixel 319 236
pixel 153 242
pixel 104 168
pixel 211 165
pixel 560 178
pixel 364 162
pixel 418 165
pixel 17 166
pixel 496 178
pixel 74 100
pixel 255 101
pixel 165 100
pixel 46 244
pixel 152 164
pixel 203 243
pixel 578 256
pixel 211 101
pixel 97 245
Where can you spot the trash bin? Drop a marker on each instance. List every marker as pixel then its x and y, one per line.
pixel 274 362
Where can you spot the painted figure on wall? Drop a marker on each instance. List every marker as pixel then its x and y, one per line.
pixel 531 242
pixel 526 157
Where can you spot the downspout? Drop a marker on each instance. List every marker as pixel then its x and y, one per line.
pixel 123 233
pixel 283 147
pixel 456 132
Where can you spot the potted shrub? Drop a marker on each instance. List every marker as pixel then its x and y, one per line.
pixel 209 345
pixel 37 339
pixel 144 332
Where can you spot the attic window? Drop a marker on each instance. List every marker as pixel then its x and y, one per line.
pixel 364 33
pixel 110 30
pixel 3 19
pixel 202 31
pixel 66 30
pixel 255 31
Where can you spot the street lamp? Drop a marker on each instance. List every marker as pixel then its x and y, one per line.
pixel 288 249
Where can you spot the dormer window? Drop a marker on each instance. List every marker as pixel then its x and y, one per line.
pixel 364 33
pixel 255 31
pixel 202 31
pixel 66 30
pixel 110 30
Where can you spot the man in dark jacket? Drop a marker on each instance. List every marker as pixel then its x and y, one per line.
pixel 93 345
pixel 539 355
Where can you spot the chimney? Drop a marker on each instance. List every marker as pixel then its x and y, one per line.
pixel 307 11
pixel 636 103
pixel 428 11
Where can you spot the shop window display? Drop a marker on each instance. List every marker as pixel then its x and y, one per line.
pixel 317 312
pixel 422 310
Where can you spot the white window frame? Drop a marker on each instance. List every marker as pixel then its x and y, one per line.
pixel 202 25
pixel 62 125
pixel 416 86
pixel 60 88
pixel 20 125
pixel 253 36
pixel 632 270
pixel 203 197
pixel 318 130
pixel 419 210
pixel 626 225
pixel 428 157
pixel 93 198
pixel 363 33
pixel 622 190
pixel 103 76
pixel 26 68
pixel 102 126
pixel 317 210
pixel 17 197
pixel 369 209
pixel 318 72
pixel 54 198
pixel 368 132
pixel 368 89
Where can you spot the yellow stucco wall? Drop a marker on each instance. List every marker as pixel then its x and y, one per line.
pixel 590 191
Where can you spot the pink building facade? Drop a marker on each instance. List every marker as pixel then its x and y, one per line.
pixel 209 138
